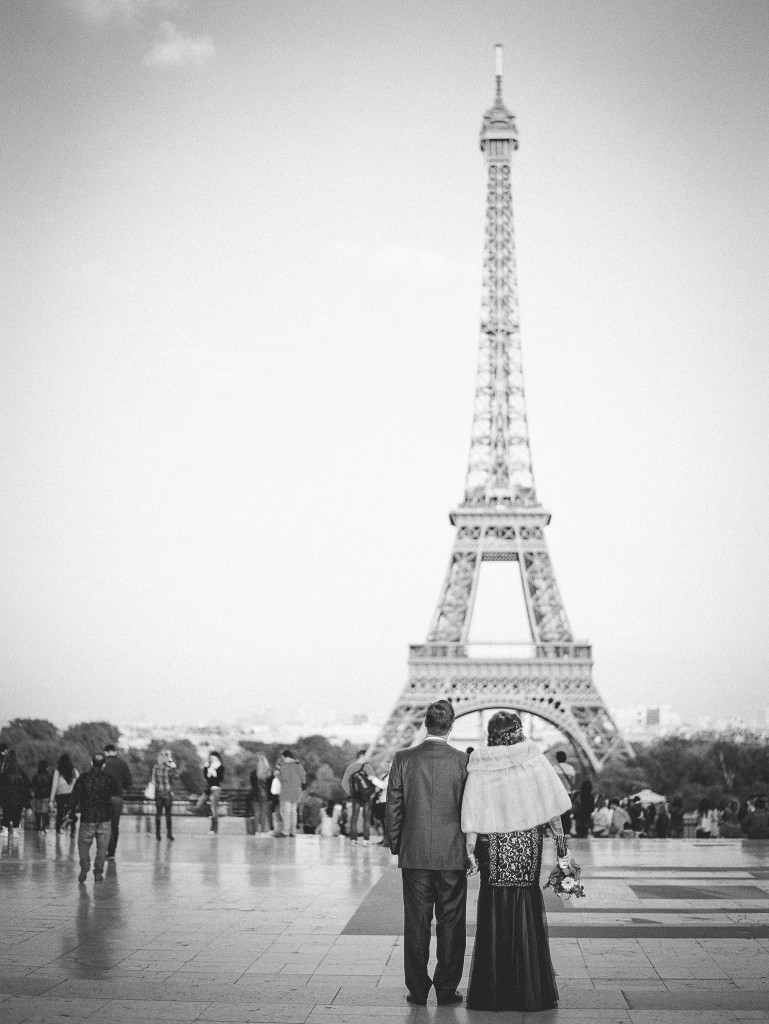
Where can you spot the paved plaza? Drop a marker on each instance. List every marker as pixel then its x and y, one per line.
pixel 253 929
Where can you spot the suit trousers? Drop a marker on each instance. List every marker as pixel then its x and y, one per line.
pixel 445 892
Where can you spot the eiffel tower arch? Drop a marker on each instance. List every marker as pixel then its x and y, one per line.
pixel 501 519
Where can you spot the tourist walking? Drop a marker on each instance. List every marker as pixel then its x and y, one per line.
pixel 121 773
pixel 92 797
pixel 293 780
pixel 512 792
pixel 41 796
pixel 260 780
pixel 15 792
pixel 164 773
pixel 357 783
pixel 213 777
pixel 422 826
pixel 64 779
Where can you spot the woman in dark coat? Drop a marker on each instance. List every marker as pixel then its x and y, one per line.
pixel 41 790
pixel 15 792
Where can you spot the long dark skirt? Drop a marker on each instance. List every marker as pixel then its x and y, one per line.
pixel 511 968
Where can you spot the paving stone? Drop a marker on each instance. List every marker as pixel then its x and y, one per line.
pixel 695 1001
pixel 161 1009
pixel 573 998
pixel 256 1013
pixel 31 984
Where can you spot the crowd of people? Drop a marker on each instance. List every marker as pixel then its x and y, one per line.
pixel 281 802
pixel 650 816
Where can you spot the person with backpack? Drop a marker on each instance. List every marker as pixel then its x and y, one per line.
pixel 358 783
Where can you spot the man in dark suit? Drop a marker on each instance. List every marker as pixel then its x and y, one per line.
pixel 422 826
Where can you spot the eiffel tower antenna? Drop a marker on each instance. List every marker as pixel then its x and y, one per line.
pixel 501 519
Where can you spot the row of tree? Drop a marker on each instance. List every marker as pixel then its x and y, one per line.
pixel 37 739
pixel 718 768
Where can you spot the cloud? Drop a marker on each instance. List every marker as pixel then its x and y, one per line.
pixel 395 259
pixel 172 49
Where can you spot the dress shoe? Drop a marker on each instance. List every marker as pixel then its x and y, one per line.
pixel 450 1000
pixel 415 1002
pixel 83 875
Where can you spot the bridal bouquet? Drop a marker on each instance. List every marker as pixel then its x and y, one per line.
pixel 564 879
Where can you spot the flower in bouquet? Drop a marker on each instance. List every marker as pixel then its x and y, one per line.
pixel 564 880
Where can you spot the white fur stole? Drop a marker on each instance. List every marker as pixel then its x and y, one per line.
pixel 510 789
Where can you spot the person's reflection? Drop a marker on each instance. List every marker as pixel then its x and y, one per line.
pixel 161 867
pixel 214 855
pixel 10 850
pixel 97 927
pixel 360 874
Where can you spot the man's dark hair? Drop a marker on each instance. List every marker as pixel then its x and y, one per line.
pixel 439 718
pixel 361 753
pixel 98 760
pixel 287 753
pixel 110 748
pixel 760 802
pixel 560 756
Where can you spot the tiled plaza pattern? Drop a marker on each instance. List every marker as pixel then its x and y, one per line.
pixel 236 928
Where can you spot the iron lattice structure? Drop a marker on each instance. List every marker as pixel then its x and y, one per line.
pixel 501 519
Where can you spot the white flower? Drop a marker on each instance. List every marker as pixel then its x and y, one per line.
pixel 567 884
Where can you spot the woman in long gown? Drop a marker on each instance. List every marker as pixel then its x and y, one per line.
pixel 512 792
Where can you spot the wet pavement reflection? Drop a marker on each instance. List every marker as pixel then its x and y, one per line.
pixel 234 927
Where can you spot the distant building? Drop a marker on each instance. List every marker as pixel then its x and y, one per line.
pixel 645 722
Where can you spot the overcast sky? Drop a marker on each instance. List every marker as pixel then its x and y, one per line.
pixel 240 267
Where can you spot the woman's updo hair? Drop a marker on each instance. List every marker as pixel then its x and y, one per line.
pixel 504 729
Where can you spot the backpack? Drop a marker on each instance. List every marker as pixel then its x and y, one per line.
pixel 361 786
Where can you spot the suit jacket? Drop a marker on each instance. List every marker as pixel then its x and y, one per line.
pixel 424 801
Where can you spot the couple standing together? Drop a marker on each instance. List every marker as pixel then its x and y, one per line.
pixel 448 817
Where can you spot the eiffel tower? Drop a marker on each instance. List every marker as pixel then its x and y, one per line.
pixel 501 519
